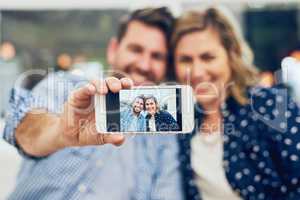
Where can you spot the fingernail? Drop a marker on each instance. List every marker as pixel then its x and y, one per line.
pixel 91 88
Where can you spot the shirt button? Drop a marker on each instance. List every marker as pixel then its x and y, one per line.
pixel 82 188
pixel 99 163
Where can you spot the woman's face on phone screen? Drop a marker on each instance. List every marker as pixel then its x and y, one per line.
pixel 151 106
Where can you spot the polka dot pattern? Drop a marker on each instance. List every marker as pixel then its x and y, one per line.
pixel 261 150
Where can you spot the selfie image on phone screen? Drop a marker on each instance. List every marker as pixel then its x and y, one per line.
pixel 165 109
pixel 144 110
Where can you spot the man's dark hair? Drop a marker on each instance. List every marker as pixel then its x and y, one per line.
pixel 139 97
pixel 160 18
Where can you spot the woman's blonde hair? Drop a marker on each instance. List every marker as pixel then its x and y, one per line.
pixel 240 56
pixel 154 99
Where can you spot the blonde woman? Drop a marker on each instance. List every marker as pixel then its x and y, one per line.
pixel 246 144
pixel 156 119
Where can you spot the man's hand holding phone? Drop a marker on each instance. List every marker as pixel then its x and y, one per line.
pixel 78 119
pixel 164 109
pixel 145 110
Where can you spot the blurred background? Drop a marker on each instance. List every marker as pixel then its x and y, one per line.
pixel 72 36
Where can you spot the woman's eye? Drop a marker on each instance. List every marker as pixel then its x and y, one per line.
pixel 207 57
pixel 185 59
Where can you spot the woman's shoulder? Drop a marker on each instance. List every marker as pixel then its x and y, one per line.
pixel 273 106
pixel 262 101
pixel 265 93
pixel 164 113
pixel 267 99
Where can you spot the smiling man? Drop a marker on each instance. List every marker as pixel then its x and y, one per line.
pixel 64 156
pixel 132 119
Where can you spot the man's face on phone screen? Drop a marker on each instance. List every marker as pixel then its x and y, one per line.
pixel 138 105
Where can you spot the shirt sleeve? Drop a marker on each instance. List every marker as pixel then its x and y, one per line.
pixel 49 95
pixel 20 102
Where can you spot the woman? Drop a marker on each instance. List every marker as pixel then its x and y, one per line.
pixel 246 144
pixel 158 120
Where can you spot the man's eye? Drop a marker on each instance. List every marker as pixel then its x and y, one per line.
pixel 159 56
pixel 135 49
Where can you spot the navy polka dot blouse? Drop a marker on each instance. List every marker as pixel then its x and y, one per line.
pixel 261 147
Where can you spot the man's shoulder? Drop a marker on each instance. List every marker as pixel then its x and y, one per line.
pixel 59 79
pixel 126 112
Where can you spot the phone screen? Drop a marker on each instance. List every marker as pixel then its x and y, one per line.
pixel 144 110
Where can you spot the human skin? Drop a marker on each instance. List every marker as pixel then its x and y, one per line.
pixel 202 61
pixel 142 56
pixel 151 106
pixel 138 106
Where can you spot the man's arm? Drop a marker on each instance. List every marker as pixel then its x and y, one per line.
pixel 38 134
pixel 143 125
pixel 42 133
pixel 124 120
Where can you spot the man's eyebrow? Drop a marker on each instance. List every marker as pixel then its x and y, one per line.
pixel 163 55
pixel 159 53
pixel 134 45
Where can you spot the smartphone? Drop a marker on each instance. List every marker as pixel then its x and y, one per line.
pixel 146 109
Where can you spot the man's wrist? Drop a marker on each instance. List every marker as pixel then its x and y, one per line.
pixel 59 135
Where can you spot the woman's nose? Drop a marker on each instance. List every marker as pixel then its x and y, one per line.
pixel 198 73
pixel 198 69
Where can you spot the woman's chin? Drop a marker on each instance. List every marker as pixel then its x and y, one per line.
pixel 205 99
pixel 150 113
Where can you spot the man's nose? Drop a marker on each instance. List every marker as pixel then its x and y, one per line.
pixel 145 62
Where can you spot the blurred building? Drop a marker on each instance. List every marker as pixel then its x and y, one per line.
pixel 10 68
pixel 40 30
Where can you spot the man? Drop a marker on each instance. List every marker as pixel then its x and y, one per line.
pixel 63 159
pixel 132 119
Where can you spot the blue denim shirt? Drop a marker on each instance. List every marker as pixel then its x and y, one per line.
pixel 145 167
pixel 127 118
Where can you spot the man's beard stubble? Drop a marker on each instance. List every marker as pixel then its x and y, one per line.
pixel 139 76
pixel 135 112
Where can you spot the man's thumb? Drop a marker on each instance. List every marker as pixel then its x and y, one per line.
pixel 115 139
